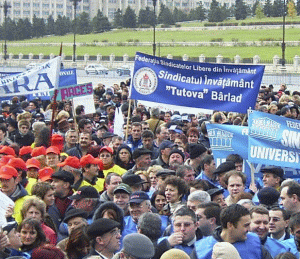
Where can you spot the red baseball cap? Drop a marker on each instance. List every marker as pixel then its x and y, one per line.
pixel 38 151
pixel 25 150
pixel 8 151
pixel 45 174
pixel 72 161
pixel 17 163
pixel 57 141
pixel 33 163
pixel 5 159
pixel 88 159
pixel 7 172
pixel 106 148
pixel 52 149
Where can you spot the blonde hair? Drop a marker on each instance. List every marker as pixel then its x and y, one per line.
pixel 62 114
pixel 35 202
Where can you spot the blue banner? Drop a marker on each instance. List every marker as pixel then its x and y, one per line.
pixel 229 139
pixel 274 140
pixel 66 77
pixel 223 87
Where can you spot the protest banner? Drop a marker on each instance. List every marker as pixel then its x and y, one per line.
pixel 230 139
pixel 72 91
pixel 37 80
pixel 274 140
pixel 223 87
pixel 66 77
pixel 87 101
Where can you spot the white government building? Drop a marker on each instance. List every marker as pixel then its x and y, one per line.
pixel 43 8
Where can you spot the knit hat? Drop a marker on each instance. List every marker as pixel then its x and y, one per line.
pixel 138 246
pixel 177 151
pixel 175 254
pixel 74 213
pixel 85 192
pixel 225 250
pixel 196 150
pixel 268 196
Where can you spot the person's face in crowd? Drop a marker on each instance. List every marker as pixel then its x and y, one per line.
pixel 189 176
pixel 186 226
pixel 220 178
pixel 286 201
pixel 10 128
pixel 193 205
pixel 85 140
pixel 136 132
pixel 273 109
pixel 160 201
pixel 239 233
pixel 117 143
pixel 2 134
pixel 211 167
pixel 260 224
pixel 164 134
pixel 100 132
pixel 24 129
pixel 52 159
pixel 31 106
pixel 288 114
pixel 106 157
pixel 92 170
pixel 72 138
pixel 88 128
pixel 122 200
pixel 75 223
pixel 114 182
pixel 145 126
pixel 129 129
pixel 138 209
pixel 107 141
pixel 203 222
pixel 239 167
pixel 277 223
pixel 147 142
pixel 96 117
pixel 32 172
pixel 146 184
pixel 67 107
pixel 220 200
pixel 172 194
pixel 175 158
pixel 178 142
pixel 14 239
pixel 195 121
pixel 34 213
pixel 59 187
pixel 111 240
pixel 270 180
pixel 296 232
pixel 294 113
pixel 235 185
pixel 49 198
pixel 143 161
pixel 167 117
pixel 124 155
pixel 192 138
pixel 166 152
pixel 28 235
pixel 8 186
pixel 153 179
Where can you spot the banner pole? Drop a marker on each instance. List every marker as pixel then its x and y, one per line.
pixel 54 106
pixel 128 117
pixel 74 118
pixel 252 173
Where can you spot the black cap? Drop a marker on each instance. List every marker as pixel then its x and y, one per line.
pixel 268 196
pixel 132 179
pixel 10 226
pixel 141 151
pixel 74 213
pixel 64 176
pixel 165 173
pixel 215 191
pixel 101 226
pixel 196 150
pixel 278 171
pixel 138 197
pixel 225 167
pixel 85 192
pixel 108 135
pixel 177 151
pixel 123 187
pixel 166 144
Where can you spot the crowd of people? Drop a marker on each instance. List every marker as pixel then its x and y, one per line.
pixel 154 191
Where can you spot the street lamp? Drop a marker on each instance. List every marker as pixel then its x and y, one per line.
pixel 283 35
pixel 75 2
pixel 5 7
pixel 154 43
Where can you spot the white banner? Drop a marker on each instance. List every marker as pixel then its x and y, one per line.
pixel 37 80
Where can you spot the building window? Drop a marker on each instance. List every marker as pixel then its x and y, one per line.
pixel 17 12
pixel 26 4
pixel 17 4
pixel 45 5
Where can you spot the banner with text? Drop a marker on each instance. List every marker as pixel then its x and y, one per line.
pixel 37 80
pixel 223 87
pixel 273 140
pixel 72 91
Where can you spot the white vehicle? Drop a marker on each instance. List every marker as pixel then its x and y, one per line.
pixel 31 66
pixel 123 71
pixel 96 69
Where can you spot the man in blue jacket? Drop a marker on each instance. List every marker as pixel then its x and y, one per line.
pixel 235 222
